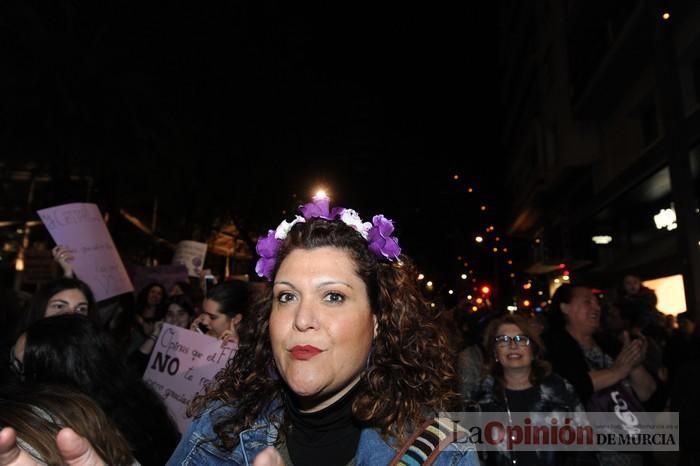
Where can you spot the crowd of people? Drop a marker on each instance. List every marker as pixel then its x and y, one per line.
pixel 341 360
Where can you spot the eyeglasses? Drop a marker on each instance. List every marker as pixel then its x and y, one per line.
pixel 16 366
pixel 519 340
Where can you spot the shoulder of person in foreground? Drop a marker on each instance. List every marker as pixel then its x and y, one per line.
pixel 199 443
pixel 374 450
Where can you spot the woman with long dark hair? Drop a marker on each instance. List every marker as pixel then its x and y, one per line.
pixel 224 308
pixel 70 350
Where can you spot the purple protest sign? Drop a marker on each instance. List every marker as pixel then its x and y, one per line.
pixel 80 227
pixel 166 275
pixel 182 363
pixel 191 254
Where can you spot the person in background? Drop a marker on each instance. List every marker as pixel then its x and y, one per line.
pixel 150 306
pixel 107 309
pixel 224 308
pixel 179 312
pixel 57 297
pixel 71 350
pixel 148 310
pixel 470 357
pixel 683 346
pixel 340 362
pixel 519 379
pixel 181 288
pixel 38 414
pixel 637 302
pixel 575 320
pixel 580 357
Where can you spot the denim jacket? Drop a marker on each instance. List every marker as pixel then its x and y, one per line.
pixel 197 449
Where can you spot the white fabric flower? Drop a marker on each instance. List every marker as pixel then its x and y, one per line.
pixel 283 229
pixel 352 218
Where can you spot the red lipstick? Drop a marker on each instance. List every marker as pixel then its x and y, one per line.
pixel 304 352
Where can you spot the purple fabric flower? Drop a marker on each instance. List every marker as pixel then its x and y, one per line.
pixel 267 248
pixel 378 234
pixel 320 208
pixel 381 243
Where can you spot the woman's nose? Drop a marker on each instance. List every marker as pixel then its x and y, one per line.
pixel 306 317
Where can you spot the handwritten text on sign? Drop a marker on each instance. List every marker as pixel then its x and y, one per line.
pixel 181 364
pixel 80 227
pixel 191 254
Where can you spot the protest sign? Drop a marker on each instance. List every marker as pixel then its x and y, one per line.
pixel 191 254
pixel 182 363
pixel 166 275
pixel 80 228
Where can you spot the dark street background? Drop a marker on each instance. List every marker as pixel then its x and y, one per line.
pixel 241 109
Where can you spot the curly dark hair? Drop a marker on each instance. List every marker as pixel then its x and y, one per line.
pixel 540 367
pixel 410 375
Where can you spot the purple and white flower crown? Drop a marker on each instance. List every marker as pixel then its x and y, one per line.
pixel 377 233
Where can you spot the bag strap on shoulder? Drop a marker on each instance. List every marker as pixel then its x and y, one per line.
pixel 426 443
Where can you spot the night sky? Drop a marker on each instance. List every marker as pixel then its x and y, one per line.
pixel 245 107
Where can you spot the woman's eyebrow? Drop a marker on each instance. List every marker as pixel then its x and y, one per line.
pixel 333 282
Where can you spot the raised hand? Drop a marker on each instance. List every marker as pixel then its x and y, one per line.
pixel 631 355
pixel 65 258
pixel 194 326
pixel 75 450
pixel 268 457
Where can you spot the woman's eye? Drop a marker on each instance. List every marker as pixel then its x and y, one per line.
pixel 58 306
pixel 334 297
pixel 285 297
pixel 82 310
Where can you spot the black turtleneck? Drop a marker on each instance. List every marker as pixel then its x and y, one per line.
pixel 329 436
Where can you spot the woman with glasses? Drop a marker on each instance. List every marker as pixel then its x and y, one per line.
pixel 519 380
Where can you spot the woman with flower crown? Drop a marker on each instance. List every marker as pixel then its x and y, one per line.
pixel 341 362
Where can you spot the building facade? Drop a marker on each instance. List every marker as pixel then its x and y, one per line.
pixel 602 136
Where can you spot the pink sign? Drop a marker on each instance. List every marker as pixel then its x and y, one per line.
pixel 166 275
pixel 191 254
pixel 182 363
pixel 81 229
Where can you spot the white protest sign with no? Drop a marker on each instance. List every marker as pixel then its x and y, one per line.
pixel 181 364
pixel 80 227
pixel 191 254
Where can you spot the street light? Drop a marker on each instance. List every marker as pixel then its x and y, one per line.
pixel 320 194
